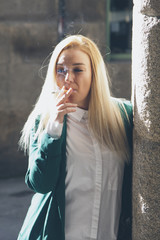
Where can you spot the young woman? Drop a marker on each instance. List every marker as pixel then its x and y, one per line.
pixel 79 143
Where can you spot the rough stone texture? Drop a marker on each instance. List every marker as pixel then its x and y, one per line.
pixel 90 10
pixel 146 92
pixel 23 48
pixel 13 162
pixel 148 7
pixel 28 9
pixel 146 194
pixel 146 74
pixel 24 44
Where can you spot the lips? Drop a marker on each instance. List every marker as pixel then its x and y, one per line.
pixel 66 89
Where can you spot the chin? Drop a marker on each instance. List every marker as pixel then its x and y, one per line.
pixel 72 99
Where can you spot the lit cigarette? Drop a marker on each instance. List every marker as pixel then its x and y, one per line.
pixel 58 91
pixel 55 92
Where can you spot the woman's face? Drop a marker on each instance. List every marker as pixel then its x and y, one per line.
pixel 73 70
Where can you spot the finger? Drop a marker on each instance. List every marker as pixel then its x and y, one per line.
pixel 59 92
pixel 63 96
pixel 68 94
pixel 66 111
pixel 66 105
pixel 63 111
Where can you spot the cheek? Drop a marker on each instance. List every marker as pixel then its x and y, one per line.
pixel 59 83
pixel 88 83
pixel 85 88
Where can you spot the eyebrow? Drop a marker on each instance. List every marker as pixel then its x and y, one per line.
pixel 78 64
pixel 74 64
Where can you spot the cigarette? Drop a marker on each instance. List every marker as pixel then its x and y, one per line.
pixel 55 92
pixel 58 91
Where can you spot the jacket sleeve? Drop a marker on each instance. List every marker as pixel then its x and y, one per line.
pixel 125 226
pixel 45 158
pixel 128 122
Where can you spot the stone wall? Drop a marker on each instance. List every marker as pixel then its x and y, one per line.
pixel 28 33
pixel 146 99
pixel 28 30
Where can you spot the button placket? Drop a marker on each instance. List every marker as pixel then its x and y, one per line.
pixel 98 188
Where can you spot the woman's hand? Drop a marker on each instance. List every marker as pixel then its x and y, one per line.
pixel 63 106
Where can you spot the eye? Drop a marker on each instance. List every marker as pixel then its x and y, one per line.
pixel 61 71
pixel 78 70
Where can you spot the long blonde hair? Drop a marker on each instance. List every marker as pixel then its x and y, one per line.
pixel 105 118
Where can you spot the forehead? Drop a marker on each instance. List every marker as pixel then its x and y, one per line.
pixel 73 55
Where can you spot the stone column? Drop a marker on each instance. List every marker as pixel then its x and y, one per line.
pixel 146 100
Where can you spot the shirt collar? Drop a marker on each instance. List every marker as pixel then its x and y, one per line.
pixel 79 114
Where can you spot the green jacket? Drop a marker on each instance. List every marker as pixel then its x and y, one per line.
pixel 46 176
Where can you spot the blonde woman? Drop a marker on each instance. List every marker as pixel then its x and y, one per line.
pixel 79 143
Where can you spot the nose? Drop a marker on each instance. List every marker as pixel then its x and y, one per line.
pixel 69 77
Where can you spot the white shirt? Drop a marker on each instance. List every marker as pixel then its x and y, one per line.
pixel 94 177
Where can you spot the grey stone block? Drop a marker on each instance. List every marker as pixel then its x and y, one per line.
pixel 148 7
pixel 146 75
pixel 146 179
pixel 24 46
pixel 13 162
pixel 30 9
pixel 4 90
pixel 146 92
pixel 27 46
pixel 90 10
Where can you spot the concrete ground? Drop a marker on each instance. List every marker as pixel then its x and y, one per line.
pixel 15 199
